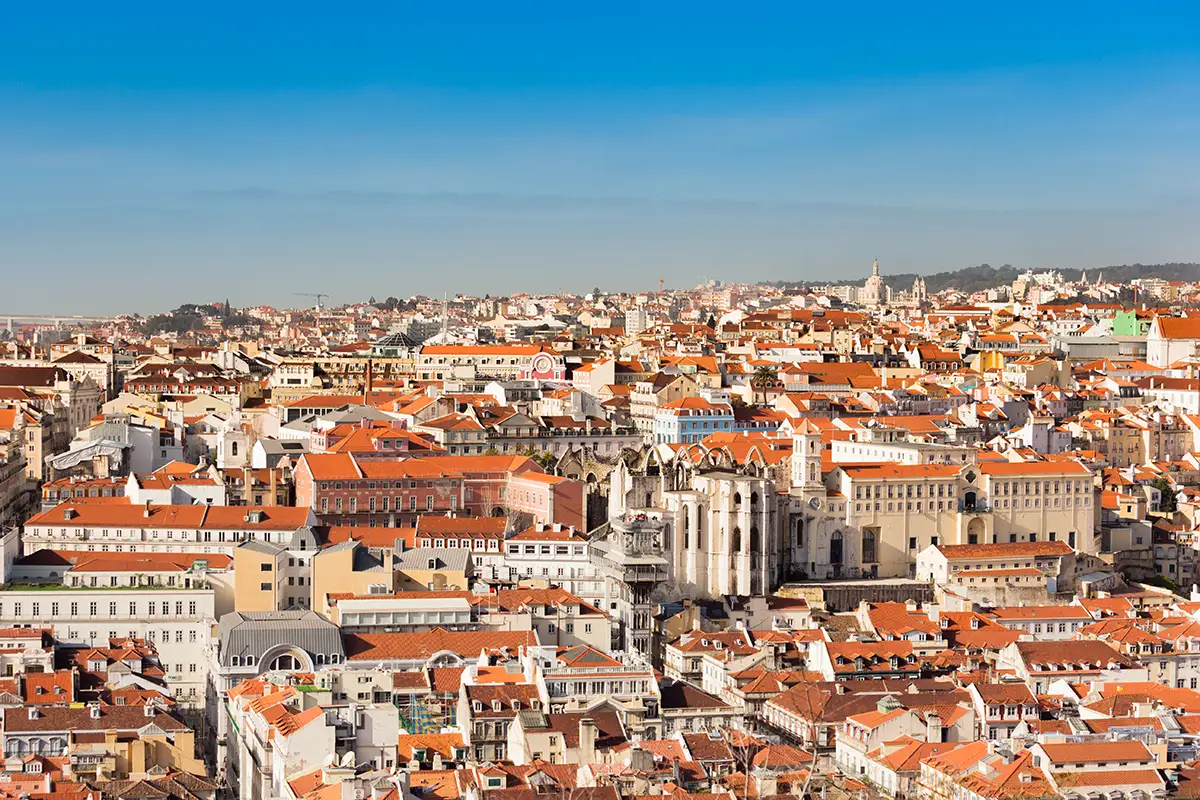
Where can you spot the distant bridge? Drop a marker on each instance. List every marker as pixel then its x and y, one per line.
pixel 59 320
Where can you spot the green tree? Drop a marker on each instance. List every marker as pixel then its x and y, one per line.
pixel 764 377
pixel 1169 502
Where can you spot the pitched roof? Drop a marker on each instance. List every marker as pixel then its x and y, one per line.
pixel 411 646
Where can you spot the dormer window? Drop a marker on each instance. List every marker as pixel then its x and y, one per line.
pixel 497 705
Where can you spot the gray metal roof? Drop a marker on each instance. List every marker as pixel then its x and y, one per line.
pixel 269 548
pixel 443 557
pixel 283 446
pixel 244 634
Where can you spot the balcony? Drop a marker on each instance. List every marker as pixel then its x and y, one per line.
pixel 978 507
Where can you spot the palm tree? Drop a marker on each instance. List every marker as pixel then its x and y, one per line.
pixel 764 376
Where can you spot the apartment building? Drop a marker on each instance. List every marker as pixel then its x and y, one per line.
pixel 344 490
pixel 147 528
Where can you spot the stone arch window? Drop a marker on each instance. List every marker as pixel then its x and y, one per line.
pixel 755 541
pixel 799 533
pixel 737 540
pixel 869 545
pixel 687 534
pixel 737 499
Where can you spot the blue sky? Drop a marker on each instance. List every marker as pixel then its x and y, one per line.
pixel 151 155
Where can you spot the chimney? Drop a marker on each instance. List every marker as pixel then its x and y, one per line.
pixel 587 741
pixel 933 728
pixel 146 512
pixel 369 383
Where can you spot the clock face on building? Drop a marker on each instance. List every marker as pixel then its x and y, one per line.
pixel 814 502
pixel 542 366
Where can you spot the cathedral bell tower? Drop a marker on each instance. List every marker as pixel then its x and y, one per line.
pixel 806 457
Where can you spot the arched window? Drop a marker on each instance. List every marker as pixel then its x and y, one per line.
pixel 737 540
pixel 755 541
pixel 799 533
pixel 236 661
pixel 687 535
pixel 320 658
pixel 233 448
pixel 286 662
pixel 737 499
pixel 868 546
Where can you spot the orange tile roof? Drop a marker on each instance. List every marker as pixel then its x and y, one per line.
pixel 410 646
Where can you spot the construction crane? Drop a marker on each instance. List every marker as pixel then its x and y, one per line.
pixel 317 295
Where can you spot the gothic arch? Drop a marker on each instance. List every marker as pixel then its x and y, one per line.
pixel 837 551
